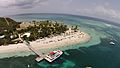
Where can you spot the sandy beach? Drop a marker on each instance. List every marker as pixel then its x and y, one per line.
pixel 44 45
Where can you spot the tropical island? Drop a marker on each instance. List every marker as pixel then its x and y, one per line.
pixel 43 34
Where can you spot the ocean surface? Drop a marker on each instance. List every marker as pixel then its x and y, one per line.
pixel 97 53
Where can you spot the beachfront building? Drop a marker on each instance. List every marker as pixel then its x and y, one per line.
pixel 26 34
pixel 2 36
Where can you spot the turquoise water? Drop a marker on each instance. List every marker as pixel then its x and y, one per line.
pixel 97 53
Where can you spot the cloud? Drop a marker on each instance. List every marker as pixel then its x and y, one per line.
pixel 102 11
pixel 93 8
pixel 107 11
pixel 19 3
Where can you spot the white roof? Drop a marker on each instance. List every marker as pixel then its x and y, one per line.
pixel 2 36
pixel 27 34
pixel 11 36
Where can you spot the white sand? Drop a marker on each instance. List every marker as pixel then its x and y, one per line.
pixel 45 44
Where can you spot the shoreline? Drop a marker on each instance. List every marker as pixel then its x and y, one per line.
pixel 44 45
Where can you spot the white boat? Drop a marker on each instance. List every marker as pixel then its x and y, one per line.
pixel 50 56
pixel 112 43
pixel 28 66
pixel 53 55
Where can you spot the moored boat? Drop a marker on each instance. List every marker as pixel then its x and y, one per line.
pixel 53 55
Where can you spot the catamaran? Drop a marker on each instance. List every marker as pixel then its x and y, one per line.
pixel 53 55
pixel 50 57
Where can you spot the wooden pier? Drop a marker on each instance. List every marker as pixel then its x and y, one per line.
pixel 40 56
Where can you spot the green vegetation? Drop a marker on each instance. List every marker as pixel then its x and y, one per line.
pixel 44 29
pixel 7 29
pixel 5 26
pixel 37 29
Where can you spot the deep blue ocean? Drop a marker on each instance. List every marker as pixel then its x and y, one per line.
pixel 97 53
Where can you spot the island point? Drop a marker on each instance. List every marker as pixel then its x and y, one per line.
pixel 43 35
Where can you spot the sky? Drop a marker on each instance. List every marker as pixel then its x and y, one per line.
pixel 105 9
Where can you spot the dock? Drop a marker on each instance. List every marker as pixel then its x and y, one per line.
pixel 49 57
pixel 40 56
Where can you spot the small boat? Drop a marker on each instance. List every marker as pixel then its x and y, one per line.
pixel 112 43
pixel 88 67
pixel 28 66
pixel 53 55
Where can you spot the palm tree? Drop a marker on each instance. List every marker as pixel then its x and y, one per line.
pixel 76 28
